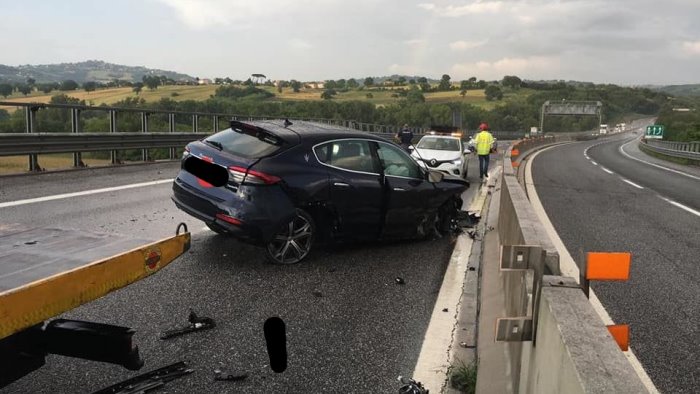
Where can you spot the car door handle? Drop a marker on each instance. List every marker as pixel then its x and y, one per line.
pixel 398 189
pixel 340 184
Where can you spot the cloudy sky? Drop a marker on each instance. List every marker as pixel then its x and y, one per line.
pixel 615 41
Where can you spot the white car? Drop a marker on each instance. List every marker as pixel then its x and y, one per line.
pixel 443 153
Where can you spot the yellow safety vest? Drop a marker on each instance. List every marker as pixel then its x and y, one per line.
pixel 484 141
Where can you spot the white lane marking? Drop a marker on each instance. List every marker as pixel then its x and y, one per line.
pixel 569 268
pixel 594 163
pixel 606 170
pixel 681 206
pixel 436 354
pixel 653 164
pixel 83 193
pixel 632 183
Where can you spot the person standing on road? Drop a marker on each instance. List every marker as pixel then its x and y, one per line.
pixel 484 144
pixel 405 137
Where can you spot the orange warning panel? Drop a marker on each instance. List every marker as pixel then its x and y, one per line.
pixel 608 266
pixel 515 164
pixel 514 152
pixel 621 334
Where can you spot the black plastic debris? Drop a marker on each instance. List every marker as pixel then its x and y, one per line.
pixel 399 281
pixel 467 219
pixel 444 309
pixel 230 376
pixel 196 324
pixel 317 293
pixel 150 380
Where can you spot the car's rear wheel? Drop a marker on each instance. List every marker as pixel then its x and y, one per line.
pixel 293 242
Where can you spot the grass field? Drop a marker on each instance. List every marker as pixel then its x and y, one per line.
pixel 113 95
pixel 20 164
pixel 179 93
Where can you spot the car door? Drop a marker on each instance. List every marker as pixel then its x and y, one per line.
pixel 406 193
pixel 355 187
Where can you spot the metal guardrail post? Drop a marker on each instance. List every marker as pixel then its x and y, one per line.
pixel 144 129
pixel 30 123
pixel 518 259
pixel 113 155
pixel 215 123
pixel 75 128
pixel 171 128
pixel 195 123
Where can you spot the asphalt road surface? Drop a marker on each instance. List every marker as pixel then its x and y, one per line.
pixel 610 202
pixel 350 327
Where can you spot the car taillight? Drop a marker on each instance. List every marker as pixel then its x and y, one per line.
pixel 228 219
pixel 238 175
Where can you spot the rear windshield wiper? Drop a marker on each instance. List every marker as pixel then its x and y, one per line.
pixel 215 144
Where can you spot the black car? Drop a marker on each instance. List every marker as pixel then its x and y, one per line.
pixel 288 186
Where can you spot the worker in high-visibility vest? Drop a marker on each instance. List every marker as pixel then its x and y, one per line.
pixel 484 145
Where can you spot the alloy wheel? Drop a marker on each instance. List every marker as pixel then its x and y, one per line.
pixel 293 242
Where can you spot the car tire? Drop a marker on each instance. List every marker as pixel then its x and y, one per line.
pixel 216 228
pixel 293 241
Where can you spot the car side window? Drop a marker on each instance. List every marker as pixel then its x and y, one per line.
pixel 353 155
pixel 397 163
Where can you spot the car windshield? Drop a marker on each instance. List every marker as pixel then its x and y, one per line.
pixel 241 144
pixel 438 143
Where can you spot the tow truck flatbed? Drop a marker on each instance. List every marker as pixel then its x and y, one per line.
pixel 47 271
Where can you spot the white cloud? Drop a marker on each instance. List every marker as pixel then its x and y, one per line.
pixel 533 66
pixel 207 14
pixel 452 11
pixel 415 42
pixel 691 47
pixel 297 43
pixel 464 45
pixel 402 69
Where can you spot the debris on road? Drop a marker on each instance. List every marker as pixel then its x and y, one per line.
pixel 149 380
pixel 196 324
pixel 318 293
pixel 230 376
pixel 399 281
pixel 444 309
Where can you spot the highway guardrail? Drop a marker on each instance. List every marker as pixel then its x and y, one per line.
pixel 681 150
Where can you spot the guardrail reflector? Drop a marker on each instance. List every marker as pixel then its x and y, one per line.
pixel 608 266
pixel 621 335
pixel 514 152
pixel 515 164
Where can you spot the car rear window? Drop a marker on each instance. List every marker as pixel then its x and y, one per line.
pixel 244 145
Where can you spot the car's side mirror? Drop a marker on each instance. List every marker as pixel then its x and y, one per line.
pixel 435 176
pixel 410 147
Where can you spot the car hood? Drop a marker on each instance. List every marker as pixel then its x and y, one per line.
pixel 440 155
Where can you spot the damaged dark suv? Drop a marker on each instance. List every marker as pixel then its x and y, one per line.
pixel 287 187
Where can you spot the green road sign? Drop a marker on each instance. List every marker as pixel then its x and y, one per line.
pixel 655 131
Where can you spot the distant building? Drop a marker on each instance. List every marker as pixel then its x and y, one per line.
pixel 205 81
pixel 314 85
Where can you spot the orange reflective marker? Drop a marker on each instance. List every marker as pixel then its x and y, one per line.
pixel 514 152
pixel 608 266
pixel 515 164
pixel 621 335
